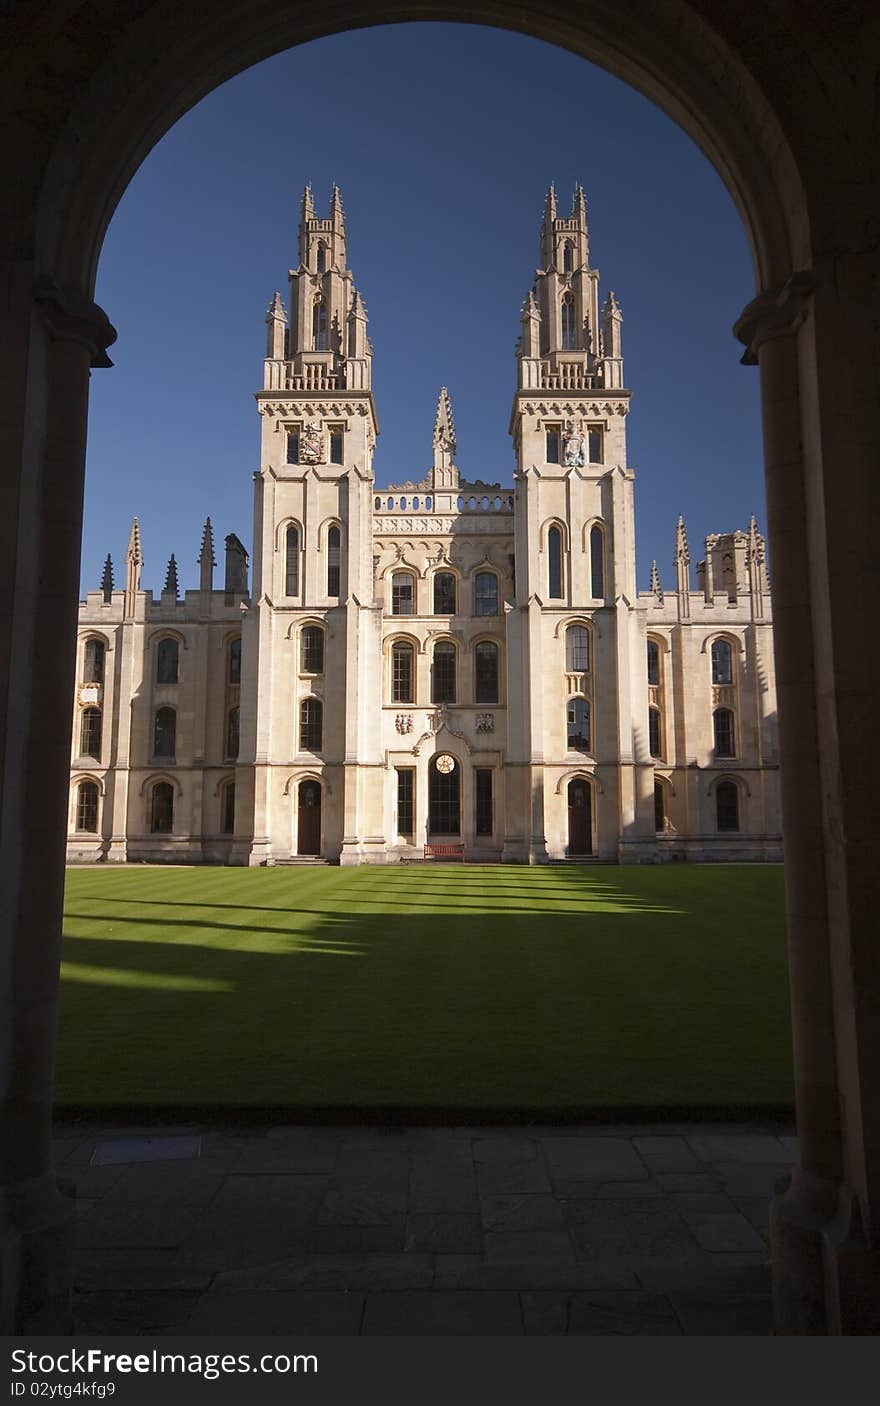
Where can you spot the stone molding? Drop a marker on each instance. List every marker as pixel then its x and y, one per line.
pixel 71 317
pixel 778 312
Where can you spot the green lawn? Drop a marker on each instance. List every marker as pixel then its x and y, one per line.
pixel 466 988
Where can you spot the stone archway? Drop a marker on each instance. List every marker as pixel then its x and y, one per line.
pixel 87 92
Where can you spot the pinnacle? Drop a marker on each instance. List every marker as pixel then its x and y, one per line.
pixel 550 204
pixel 276 308
pixel 134 542
pixel 207 549
pixel 107 578
pixel 308 204
pixel 443 421
pixel 171 583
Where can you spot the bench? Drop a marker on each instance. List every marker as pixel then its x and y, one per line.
pixel 445 852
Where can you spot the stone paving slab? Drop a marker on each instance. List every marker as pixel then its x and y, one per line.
pixel 499 1230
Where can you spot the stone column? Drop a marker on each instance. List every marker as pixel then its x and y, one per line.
pixel 825 1273
pixel 59 336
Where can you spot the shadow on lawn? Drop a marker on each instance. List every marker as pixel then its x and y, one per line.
pixel 483 1011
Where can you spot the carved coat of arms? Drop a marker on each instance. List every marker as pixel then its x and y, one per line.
pixel 311 445
pixel 573 444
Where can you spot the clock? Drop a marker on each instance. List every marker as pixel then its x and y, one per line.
pixel 445 763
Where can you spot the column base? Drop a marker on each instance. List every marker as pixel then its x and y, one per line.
pixel 826 1277
pixel 37 1246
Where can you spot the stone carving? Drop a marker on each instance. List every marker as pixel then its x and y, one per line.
pixel 404 723
pixel 485 722
pixel 574 444
pixel 311 445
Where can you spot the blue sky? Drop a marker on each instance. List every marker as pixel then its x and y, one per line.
pixel 443 139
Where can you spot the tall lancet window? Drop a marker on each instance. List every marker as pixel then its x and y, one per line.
pixel 567 257
pixel 291 562
pixel 554 564
pixel 597 562
pixel 321 261
pixel 568 337
pixel 333 554
pixel 319 325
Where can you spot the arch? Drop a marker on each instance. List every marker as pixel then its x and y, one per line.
pixel 654 654
pixel 154 776
pixel 578 724
pixel 444 591
pixel 168 659
pixel 662 794
pixel 309 815
pixel 444 671
pixel 91 728
pixel 581 812
pixel 293 543
pixel 568 257
pixel 233 660
pixel 94 663
pixel 165 732
pixel 403 592
pixel 487 591
pixel 487 671
pixel 86 806
pixel 555 562
pixel 722 649
pixel 161 808
pixel 402 657
pixel 724 732
pixel 597 540
pixel 311 724
pixel 444 797
pixel 578 647
pixel 312 646
pixel 568 333
pixel 334 557
pixel 729 794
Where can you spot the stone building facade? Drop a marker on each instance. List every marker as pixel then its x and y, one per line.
pixel 443 662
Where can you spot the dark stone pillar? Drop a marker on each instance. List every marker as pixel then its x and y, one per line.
pixel 58 338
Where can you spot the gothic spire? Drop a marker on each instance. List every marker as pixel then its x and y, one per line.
pixel 682 570
pixel 445 472
pixel 107 580
pixel 207 560
pixel 579 205
pixel 337 214
pixel 656 588
pixel 550 206
pixel 171 583
pixel 307 209
pixel 133 562
pixel 756 564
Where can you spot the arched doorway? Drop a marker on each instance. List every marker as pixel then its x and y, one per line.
pixel 444 796
pixel 580 817
pixel 308 817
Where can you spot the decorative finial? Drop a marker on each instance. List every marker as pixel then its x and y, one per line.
pixel 444 427
pixel 206 552
pixel 276 310
pixel 107 580
pixel 171 578
pixel 656 588
pixel 550 205
pixel 308 204
pixel 681 542
pixel 134 543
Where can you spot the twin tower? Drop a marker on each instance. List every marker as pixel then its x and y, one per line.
pixel 436 667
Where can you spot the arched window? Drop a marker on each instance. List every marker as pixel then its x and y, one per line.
pixel 568 332
pixel 554 564
pixel 333 555
pixel 578 725
pixel 443 673
pixel 227 809
pixel 655 742
pixel 321 259
pixel 486 672
pixel 90 735
pixel 167 656
pixel 567 256
pixel 402 672
pixel 311 725
pixel 291 562
pixel 444 593
pixel 727 805
pixel 597 562
pixel 653 662
pixel 485 593
pixel 577 649
pixel 87 807
pixel 722 662
pixel 722 720
pixel 93 664
pixel 233 662
pixel 312 650
pixel 232 733
pixel 162 808
pixel 659 807
pixel 402 593
pixel 319 325
pixel 165 733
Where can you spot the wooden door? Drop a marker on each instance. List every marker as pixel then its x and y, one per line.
pixel 580 820
pixel 308 826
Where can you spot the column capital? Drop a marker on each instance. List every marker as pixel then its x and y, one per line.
pixel 71 317
pixel 778 312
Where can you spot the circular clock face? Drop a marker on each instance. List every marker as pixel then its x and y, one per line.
pixel 446 764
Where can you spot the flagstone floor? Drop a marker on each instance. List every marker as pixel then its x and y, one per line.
pixel 481 1230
